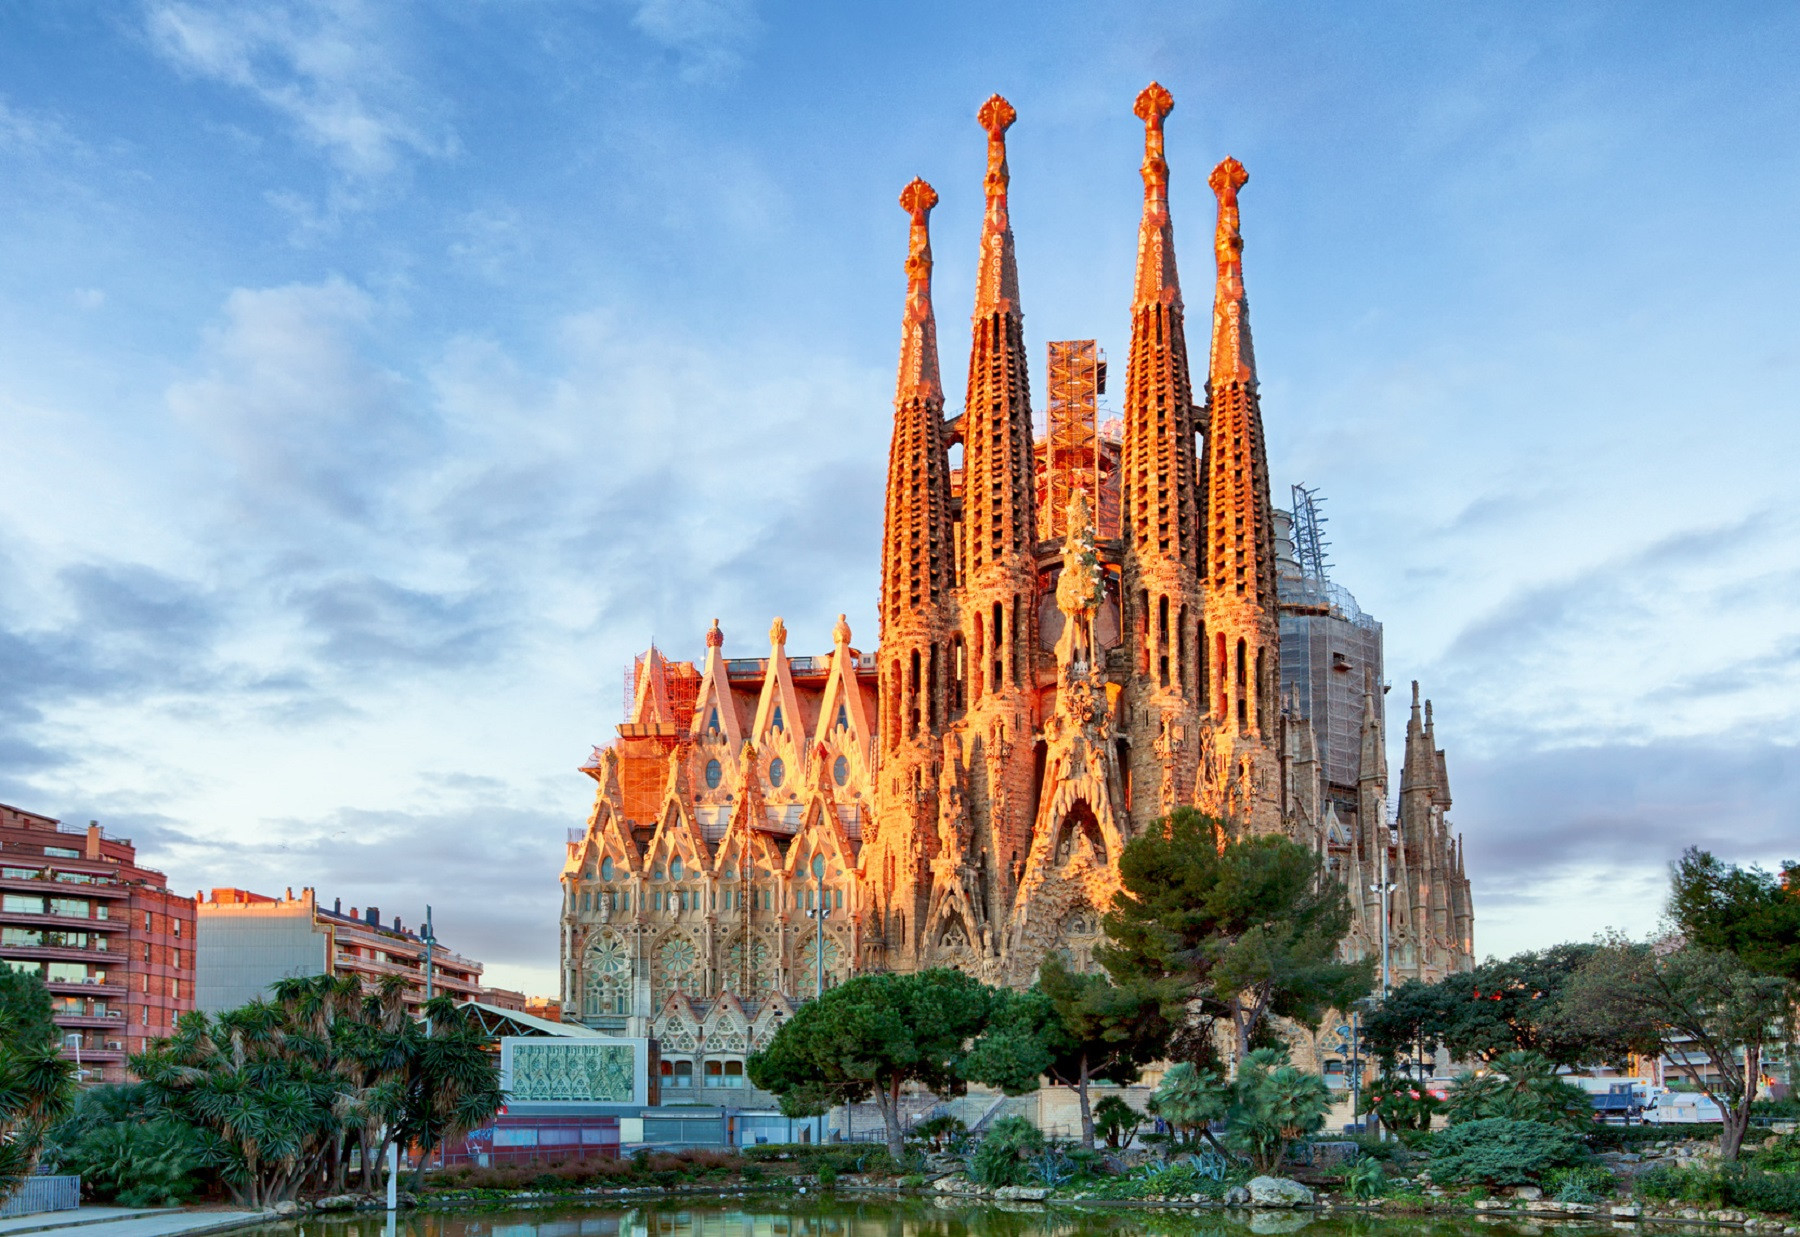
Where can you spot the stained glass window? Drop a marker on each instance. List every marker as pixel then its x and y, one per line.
pixel 840 770
pixel 777 772
pixel 715 773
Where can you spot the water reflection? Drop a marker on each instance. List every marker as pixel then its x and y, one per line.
pixel 829 1216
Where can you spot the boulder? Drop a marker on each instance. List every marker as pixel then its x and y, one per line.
pixel 1237 1196
pixel 1022 1193
pixel 340 1202
pixel 1278 1192
pixel 287 1208
pixel 1626 1211
pixel 1529 1193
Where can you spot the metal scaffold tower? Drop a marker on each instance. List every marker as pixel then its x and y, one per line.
pixel 1077 380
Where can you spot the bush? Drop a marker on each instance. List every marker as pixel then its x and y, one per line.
pixel 1779 1155
pixel 1402 1104
pixel 1364 1179
pixel 1609 1137
pixel 1734 1185
pixel 1522 1087
pixel 1497 1151
pixel 139 1164
pixel 1001 1159
pixel 1116 1121
pixel 1583 1184
pixel 941 1131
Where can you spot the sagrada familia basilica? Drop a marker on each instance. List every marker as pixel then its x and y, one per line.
pixel 1067 652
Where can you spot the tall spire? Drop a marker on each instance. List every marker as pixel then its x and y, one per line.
pixel 997 277
pixel 916 543
pixel 1239 566
pixel 998 577
pixel 1000 526
pixel 1159 493
pixel 1157 282
pixel 1233 360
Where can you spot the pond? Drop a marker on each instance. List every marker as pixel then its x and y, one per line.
pixel 846 1215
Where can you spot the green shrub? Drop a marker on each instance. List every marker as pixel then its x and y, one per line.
pixel 1116 1121
pixel 1668 1184
pixel 140 1164
pixel 940 1131
pixel 828 1174
pixel 1765 1191
pixel 1365 1179
pixel 1402 1104
pixel 1498 1151
pixel 1523 1086
pixel 913 1181
pixel 1610 1137
pixel 1587 1183
pixel 1779 1155
pixel 1001 1159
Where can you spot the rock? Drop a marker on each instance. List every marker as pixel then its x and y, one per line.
pixel 1626 1211
pixel 1529 1193
pixel 1237 1196
pixel 1277 1223
pixel 1022 1193
pixel 287 1208
pixel 1278 1192
pixel 340 1202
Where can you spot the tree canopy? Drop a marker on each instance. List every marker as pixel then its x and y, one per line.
pixel 872 1035
pixel 1245 928
pixel 1743 911
pixel 1504 1005
pixel 25 1007
pixel 1715 1007
pixel 1076 1028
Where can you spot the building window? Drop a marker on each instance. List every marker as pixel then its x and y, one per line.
pixel 715 773
pixel 675 869
pixel 176 923
pixel 724 1073
pixel 677 1073
pixel 61 852
pixel 606 868
pixel 840 770
pixel 777 772
pixel 74 907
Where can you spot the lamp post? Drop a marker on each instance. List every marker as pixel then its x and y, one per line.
pixel 818 914
pixel 1386 890
pixel 430 942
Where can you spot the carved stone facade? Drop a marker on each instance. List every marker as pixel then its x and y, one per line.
pixel 961 797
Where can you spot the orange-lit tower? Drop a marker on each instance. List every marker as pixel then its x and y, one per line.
pixel 998 575
pixel 1158 499
pixel 917 616
pixel 1242 623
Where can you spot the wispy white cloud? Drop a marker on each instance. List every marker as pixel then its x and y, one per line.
pixel 709 38
pixel 332 68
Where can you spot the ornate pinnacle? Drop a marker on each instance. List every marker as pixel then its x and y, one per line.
pixel 778 632
pixel 918 337
pixel 1153 104
pixel 996 116
pixel 715 639
pixel 840 633
pixel 997 278
pixel 1233 360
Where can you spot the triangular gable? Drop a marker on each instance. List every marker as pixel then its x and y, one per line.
pixel 845 718
pixel 677 834
pixel 779 719
pixel 651 703
pixel 715 709
pixel 821 832
pixel 606 836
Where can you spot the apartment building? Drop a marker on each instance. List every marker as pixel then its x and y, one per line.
pixel 247 941
pixel 111 942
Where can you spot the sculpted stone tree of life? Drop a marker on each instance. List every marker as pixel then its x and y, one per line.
pixel 1034 702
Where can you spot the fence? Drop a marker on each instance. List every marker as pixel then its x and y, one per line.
pixel 43 1193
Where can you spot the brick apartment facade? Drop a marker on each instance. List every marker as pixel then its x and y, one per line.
pixel 115 947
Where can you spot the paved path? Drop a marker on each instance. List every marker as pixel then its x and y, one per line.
pixel 125 1222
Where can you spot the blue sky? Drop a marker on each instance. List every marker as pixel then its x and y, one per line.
pixel 375 379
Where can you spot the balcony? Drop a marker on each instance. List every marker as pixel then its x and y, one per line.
pixel 58 953
pixel 64 923
pixel 102 886
pixel 86 987
pixel 89 1019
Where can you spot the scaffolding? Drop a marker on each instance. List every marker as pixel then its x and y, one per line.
pixel 1072 443
pixel 1309 535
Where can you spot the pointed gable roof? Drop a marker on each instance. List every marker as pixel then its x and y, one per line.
pixel 714 703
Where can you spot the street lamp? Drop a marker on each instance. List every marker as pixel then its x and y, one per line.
pixel 818 913
pixel 1386 890
pixel 818 871
pixel 430 943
